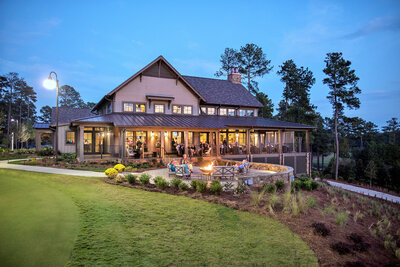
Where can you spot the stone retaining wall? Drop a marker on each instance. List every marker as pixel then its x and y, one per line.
pixel 281 172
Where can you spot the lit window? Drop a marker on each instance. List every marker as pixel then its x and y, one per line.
pixel 203 110
pixel 211 111
pixel 250 113
pixel 158 108
pixel 242 112
pixel 70 138
pixel 222 112
pixel 128 107
pixel 187 110
pixel 231 112
pixel 177 109
pixel 140 108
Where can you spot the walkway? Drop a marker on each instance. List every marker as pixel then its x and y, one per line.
pixel 5 165
pixel 365 191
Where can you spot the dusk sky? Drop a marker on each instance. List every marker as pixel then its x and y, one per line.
pixel 96 45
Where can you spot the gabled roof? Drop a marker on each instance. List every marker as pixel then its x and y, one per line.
pixel 160 58
pixel 182 121
pixel 223 92
pixel 41 125
pixel 67 114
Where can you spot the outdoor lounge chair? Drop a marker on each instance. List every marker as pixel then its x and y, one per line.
pixel 207 152
pixel 180 172
pixel 130 152
pixel 223 172
pixel 170 171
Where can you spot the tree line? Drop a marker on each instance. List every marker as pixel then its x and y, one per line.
pixel 18 108
pixel 360 152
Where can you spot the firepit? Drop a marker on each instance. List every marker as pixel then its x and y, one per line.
pixel 208 169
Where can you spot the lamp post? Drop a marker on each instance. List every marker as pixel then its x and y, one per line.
pixel 13 137
pixel 51 84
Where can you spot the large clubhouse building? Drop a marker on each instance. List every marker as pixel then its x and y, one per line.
pixel 160 113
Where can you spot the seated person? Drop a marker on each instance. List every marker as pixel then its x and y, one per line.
pixel 240 168
pixel 172 164
pixel 186 163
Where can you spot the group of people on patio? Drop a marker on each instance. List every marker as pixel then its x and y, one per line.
pixel 203 149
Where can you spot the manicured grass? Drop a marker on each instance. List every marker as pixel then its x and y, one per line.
pixel 124 226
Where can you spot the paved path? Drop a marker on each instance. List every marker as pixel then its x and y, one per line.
pixel 365 191
pixel 5 165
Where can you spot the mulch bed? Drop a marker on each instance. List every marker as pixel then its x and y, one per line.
pixel 349 245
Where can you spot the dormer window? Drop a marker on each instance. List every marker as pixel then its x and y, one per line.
pixel 210 111
pixel 203 110
pixel 231 112
pixel 223 112
pixel 177 109
pixel 140 108
pixel 159 108
pixel 242 112
pixel 128 107
pixel 188 110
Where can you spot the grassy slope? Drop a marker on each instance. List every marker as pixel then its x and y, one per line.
pixel 123 226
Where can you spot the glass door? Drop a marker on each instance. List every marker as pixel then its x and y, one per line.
pixel 88 142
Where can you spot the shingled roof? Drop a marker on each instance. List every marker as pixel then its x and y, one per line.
pixel 223 92
pixel 67 114
pixel 182 121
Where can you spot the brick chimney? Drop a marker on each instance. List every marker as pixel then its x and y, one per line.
pixel 235 76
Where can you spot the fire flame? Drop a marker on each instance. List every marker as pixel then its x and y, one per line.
pixel 209 167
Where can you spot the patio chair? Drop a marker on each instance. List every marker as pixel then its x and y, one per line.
pixel 207 152
pixel 180 172
pixel 170 171
pixel 130 152
pixel 223 172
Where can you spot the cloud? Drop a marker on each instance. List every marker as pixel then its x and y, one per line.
pixel 379 24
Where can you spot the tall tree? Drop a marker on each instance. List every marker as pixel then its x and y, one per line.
pixel 268 107
pixel 45 112
pixel 90 105
pixel 358 128
pixel 296 106
pixel 229 59
pixel 253 63
pixel 69 97
pixel 392 128
pixel 342 82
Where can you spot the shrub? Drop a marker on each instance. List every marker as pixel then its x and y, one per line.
pixel 201 186
pixel 240 189
pixel 302 203
pixel 160 182
pixel 176 182
pixel 341 248
pixel 111 173
pixel 306 185
pixel 273 200
pixel 131 178
pixel 330 210
pixel 304 178
pixel 216 187
pixel 46 151
pixel 296 185
pixel 287 197
pixel 183 186
pixel 270 188
pixel 294 206
pixel 120 178
pixel 154 161
pixel 119 167
pixel 320 229
pixel 145 165
pixel 193 184
pixel 144 178
pixel 341 218
pixel 280 184
pixel 311 202
pixel 256 197
pixel 314 185
pixel 67 157
pixel 315 174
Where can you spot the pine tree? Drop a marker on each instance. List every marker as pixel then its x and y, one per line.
pixel 342 82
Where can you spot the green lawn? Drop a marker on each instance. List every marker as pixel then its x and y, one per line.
pixel 55 220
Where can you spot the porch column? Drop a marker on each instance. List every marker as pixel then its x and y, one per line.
pixel 259 142
pixel 122 144
pixel 80 145
pixel 280 146
pixel 217 143
pixel 162 143
pixel 211 142
pixel 307 142
pixel 248 141
pixel 186 139
pixel 37 140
